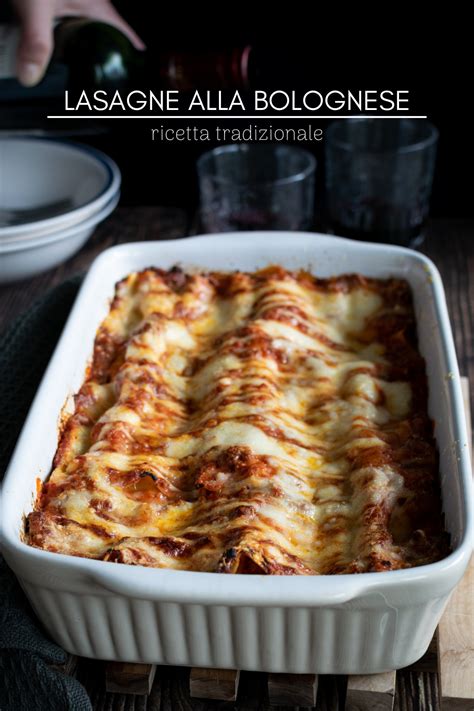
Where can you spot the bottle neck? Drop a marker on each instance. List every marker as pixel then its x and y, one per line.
pixel 214 69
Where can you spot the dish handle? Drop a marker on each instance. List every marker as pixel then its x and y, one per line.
pixel 190 587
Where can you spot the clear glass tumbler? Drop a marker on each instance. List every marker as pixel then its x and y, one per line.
pixel 379 175
pixel 253 187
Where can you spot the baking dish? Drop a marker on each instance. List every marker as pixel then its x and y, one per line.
pixel 327 624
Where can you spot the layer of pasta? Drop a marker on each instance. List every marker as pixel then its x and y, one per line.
pixel 268 422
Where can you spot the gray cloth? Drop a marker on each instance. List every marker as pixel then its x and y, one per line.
pixel 27 682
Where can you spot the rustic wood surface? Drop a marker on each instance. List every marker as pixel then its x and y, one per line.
pixel 450 243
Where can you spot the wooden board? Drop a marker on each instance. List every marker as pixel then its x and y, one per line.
pixel 429 661
pixel 456 648
pixel 125 678
pixel 292 689
pixel 456 631
pixel 374 692
pixel 217 684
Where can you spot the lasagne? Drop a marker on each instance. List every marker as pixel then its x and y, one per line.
pixel 269 422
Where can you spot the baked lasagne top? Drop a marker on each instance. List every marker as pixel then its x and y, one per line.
pixel 269 422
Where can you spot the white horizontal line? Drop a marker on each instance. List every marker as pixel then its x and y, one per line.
pixel 234 118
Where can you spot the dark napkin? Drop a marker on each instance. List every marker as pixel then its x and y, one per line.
pixel 26 679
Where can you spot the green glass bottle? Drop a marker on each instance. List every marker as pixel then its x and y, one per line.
pixel 97 55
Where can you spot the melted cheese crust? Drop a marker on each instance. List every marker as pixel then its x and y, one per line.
pixel 270 422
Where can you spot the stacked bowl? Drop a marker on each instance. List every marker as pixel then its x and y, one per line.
pixel 52 196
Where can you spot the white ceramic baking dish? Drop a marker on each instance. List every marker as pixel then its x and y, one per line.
pixel 327 624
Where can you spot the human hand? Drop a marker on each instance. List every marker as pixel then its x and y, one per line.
pixel 37 23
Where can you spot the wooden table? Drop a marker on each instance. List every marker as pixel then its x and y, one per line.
pixel 450 243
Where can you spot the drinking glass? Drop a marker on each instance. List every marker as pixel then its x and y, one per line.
pixel 379 175
pixel 253 187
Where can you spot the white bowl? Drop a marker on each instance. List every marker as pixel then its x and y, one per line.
pixel 36 172
pixel 19 261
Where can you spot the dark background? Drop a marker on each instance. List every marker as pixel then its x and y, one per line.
pixel 391 51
